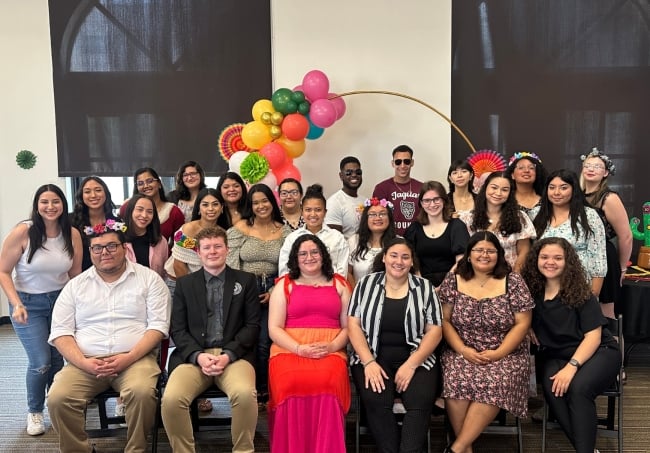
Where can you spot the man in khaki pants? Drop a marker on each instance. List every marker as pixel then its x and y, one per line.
pixel 107 323
pixel 215 327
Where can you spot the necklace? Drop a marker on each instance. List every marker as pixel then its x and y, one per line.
pixel 402 190
pixel 485 281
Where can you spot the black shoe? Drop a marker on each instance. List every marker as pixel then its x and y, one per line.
pixel 448 449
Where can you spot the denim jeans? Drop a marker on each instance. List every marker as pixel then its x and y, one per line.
pixel 44 361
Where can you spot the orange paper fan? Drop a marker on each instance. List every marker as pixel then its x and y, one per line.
pixel 486 161
pixel 230 141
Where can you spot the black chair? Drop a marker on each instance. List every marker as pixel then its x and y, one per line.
pixel 607 424
pixel 213 392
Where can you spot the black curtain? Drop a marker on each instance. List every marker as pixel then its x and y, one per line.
pixel 556 78
pixel 152 83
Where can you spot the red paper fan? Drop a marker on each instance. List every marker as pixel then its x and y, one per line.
pixel 487 161
pixel 230 141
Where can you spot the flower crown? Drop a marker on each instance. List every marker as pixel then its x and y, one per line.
pixel 374 201
pixel 611 168
pixel 520 155
pixel 101 228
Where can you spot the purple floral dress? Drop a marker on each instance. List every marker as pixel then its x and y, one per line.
pixel 483 324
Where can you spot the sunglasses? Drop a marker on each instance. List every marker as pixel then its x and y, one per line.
pixel 357 172
pixel 399 162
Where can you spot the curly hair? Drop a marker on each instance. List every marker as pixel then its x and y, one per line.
pixel 153 229
pixel 380 266
pixel 510 221
pixel 540 172
pixel 464 267
pixel 364 233
pixel 438 188
pixel 326 260
pixel 577 212
pixel 196 210
pixel 575 290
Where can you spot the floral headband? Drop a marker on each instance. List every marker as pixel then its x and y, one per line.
pixel 520 155
pixel 374 201
pixel 101 228
pixel 611 168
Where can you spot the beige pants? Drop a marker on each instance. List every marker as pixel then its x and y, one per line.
pixel 187 381
pixel 73 388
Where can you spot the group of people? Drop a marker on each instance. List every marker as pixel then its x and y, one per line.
pixel 271 295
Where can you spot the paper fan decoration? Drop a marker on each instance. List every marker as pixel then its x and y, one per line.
pixel 230 141
pixel 486 161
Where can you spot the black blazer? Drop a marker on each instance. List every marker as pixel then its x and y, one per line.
pixel 241 316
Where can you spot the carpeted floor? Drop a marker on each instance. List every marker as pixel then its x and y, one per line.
pixel 13 437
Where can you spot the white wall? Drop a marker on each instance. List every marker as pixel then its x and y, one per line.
pixel 361 45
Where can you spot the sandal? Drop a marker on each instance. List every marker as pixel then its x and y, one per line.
pixel 205 405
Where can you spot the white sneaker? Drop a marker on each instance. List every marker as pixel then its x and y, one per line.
pixel 120 410
pixel 398 408
pixel 35 424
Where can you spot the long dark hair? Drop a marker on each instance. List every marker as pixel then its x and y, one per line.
pixel 540 171
pixel 154 174
pixel 364 233
pixel 249 215
pixel 326 263
pixel 80 217
pixel 181 192
pixel 464 267
pixel 36 231
pixel 196 210
pixel 225 221
pixel 510 221
pixel 577 211
pixel 153 229
pixel 575 289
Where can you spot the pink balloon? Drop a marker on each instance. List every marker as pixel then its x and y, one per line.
pixel 288 171
pixel 275 154
pixel 339 105
pixel 322 113
pixel 315 85
pixel 270 181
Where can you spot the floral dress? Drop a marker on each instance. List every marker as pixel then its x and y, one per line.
pixel 483 324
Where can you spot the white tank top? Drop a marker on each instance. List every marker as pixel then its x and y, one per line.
pixel 48 270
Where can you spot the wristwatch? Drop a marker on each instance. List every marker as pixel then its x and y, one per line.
pixel 575 363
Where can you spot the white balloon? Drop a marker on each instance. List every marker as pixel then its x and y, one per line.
pixel 236 159
pixel 269 180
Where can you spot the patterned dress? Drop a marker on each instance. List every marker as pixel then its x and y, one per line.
pixel 309 397
pixel 483 324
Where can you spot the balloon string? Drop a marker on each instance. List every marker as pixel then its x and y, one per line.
pixel 406 96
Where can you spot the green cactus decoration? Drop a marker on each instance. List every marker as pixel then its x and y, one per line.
pixel 634 223
pixel 26 159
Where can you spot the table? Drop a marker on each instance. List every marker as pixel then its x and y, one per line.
pixel 635 308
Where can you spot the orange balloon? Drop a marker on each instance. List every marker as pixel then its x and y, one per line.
pixel 294 148
pixel 256 134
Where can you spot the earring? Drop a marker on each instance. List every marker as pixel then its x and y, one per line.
pixel 469 260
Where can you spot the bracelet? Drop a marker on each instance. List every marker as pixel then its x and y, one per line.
pixel 461 352
pixel 297 347
pixel 369 362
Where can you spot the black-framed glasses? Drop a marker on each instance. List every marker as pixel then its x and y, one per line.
pixel 357 172
pixel 286 193
pixel 191 174
pixel 111 247
pixel 434 200
pixel 146 182
pixel 399 162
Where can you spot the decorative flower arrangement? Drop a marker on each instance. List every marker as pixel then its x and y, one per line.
pixel 101 228
pixel 185 241
pixel 609 165
pixel 26 159
pixel 254 167
pixel 374 201
pixel 520 155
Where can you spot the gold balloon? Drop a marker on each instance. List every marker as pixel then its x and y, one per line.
pixel 294 148
pixel 276 131
pixel 276 118
pixel 266 118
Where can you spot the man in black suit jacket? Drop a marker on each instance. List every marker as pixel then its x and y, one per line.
pixel 215 325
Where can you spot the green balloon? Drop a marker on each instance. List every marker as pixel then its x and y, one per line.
pixel 291 107
pixel 298 97
pixel 303 107
pixel 280 98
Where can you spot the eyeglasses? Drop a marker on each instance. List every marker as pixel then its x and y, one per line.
pixel 146 182
pixel 399 162
pixel 485 251
pixel 99 249
pixel 286 193
pixel 593 167
pixel 434 200
pixel 190 175
pixel 381 215
pixel 530 167
pixel 357 172
pixel 312 253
